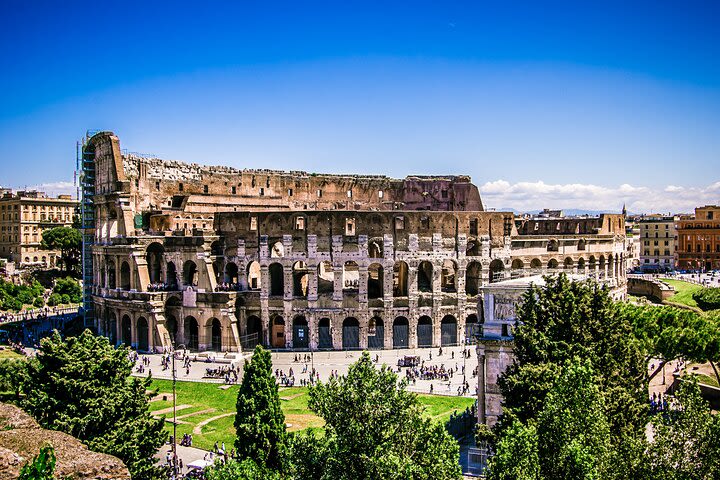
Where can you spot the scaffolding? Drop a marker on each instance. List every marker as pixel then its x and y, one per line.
pixel 85 172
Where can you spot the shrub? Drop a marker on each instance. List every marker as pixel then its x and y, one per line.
pixel 707 298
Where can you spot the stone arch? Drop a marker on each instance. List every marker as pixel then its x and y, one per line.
pixel 375 281
pixel 471 327
pixel 111 283
pixel 218 270
pixel 568 263
pixel 581 264
pixel 300 279
pixel 215 331
pixel 277 280
pixel 497 270
pixel 126 330
pixel 324 334
pixel 125 276
pixel 472 248
pixel 425 331
pixel 601 263
pixel 154 254
pixel 253 331
pixel 351 333
pixel 473 278
pixel 172 327
pixel 581 244
pixel 217 248
pixel 517 264
pixel 277 250
pixel 401 332
pixel 448 331
pixel 535 264
pixel 190 273
pixel 425 276
pixel 143 335
pixel 376 341
pixel 552 264
pixel 301 332
pixel 278 332
pixel 231 273
pixel 375 249
pixel 553 245
pixel 326 278
pixel 592 263
pixel 171 275
pixel 400 279
pixel 253 276
pixel 351 275
pixel 448 279
pixel 192 332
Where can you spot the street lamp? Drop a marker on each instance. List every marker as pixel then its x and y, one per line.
pixel 174 445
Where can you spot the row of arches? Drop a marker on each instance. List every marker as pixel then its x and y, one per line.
pixel 398 329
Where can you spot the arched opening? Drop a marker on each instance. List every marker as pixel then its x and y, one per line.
pixel 278 332
pixel 154 257
pixel 277 250
pixel 602 264
pixel 401 332
pixel 471 328
pixel 536 265
pixel 568 264
pixel 301 333
pixel 400 279
pixel 218 270
pixel 376 333
pixel 300 279
pixel 112 329
pixel 171 326
pixel 552 246
pixel 126 330
pixel 375 281
pixel 581 265
pixel 375 250
pixel 216 335
pixel 473 278
pixel 424 276
pixel 591 263
pixel 253 332
pixel 125 276
pixel 171 276
pixel 253 276
pixel 191 333
pixel 231 274
pixel 111 275
pixel 497 270
pixel 324 336
pixel 190 274
pixel 217 249
pixel 552 264
pixel 448 331
pixel 142 334
pixel 449 274
pixel 277 280
pixel 581 244
pixel 473 248
pixel 326 278
pixel 351 276
pixel 517 264
pixel 425 331
pixel 351 333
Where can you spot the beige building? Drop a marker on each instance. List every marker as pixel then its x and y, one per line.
pixel 24 216
pixel 658 240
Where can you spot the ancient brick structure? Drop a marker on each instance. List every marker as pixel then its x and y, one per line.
pixel 219 259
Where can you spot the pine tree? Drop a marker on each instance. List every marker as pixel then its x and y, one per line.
pixel 259 422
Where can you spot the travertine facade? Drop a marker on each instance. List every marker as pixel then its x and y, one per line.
pixel 216 258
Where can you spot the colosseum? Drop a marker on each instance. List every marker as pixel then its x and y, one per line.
pixel 220 259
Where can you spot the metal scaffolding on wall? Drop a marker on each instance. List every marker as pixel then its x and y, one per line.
pixel 85 166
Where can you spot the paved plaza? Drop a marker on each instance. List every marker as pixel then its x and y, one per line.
pixel 327 363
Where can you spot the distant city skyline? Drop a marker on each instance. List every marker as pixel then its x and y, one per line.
pixel 587 109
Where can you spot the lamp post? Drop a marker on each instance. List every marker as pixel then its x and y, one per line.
pixel 174 445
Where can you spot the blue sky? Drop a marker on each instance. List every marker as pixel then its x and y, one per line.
pixel 544 104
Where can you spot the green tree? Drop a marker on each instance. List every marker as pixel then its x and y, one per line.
pixel 70 287
pixel 42 467
pixel 244 470
pixel 69 241
pixel 14 376
pixel 570 438
pixel 259 422
pixel 686 441
pixel 82 386
pixel 375 429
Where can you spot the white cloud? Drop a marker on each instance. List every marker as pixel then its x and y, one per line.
pixel 528 196
pixel 52 188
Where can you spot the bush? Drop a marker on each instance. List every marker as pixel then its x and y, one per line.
pixel 38 303
pixel 707 298
pixel 69 288
pixel 14 297
pixel 54 300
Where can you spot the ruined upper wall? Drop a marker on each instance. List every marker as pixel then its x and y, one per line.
pixel 605 224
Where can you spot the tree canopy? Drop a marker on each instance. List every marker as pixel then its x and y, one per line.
pixel 374 429
pixel 69 241
pixel 82 386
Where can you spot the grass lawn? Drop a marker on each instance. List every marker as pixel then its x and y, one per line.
pixel 211 410
pixel 683 292
pixel 9 353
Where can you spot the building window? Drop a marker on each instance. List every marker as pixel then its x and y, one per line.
pixel 319 193
pixel 425 222
pixel 473 226
pixel 399 223
pixel 290 192
pixel 444 193
pixel 262 191
pixel 234 190
pixel 380 194
pixel 349 227
pixel 205 189
pixel 299 223
pixel 181 187
pixel 157 185
pixel 349 193
pixel 253 224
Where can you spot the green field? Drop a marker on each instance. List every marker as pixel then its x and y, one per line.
pixel 683 292
pixel 8 353
pixel 212 410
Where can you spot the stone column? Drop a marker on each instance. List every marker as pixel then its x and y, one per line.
pixel 363 286
pixel 412 332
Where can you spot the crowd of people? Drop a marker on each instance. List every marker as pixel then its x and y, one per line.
pixel 162 287
pixel 227 287
pixel 227 372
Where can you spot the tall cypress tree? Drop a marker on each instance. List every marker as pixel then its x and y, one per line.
pixel 259 422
